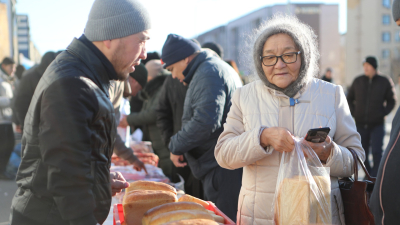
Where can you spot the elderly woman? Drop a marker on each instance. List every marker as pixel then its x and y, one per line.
pixel 287 101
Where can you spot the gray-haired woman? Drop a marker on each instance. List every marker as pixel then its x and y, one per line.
pixel 286 101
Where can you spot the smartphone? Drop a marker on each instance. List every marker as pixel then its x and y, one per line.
pixel 317 135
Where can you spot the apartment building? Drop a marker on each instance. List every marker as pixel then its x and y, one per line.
pixel 371 31
pixel 323 18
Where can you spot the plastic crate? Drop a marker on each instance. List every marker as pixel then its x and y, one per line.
pixel 119 214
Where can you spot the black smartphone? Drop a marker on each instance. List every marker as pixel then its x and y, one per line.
pixel 317 135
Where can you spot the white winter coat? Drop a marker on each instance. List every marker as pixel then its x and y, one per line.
pixel 255 106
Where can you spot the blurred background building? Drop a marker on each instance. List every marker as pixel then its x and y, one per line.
pixel 323 18
pixel 14 35
pixel 372 31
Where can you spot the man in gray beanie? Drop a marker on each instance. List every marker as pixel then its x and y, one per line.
pixel 64 177
pixel 385 198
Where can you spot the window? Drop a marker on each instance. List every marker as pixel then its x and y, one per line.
pixel 386 19
pixel 23 39
pixel 397 36
pixel 386 36
pixel 386 3
pixel 385 53
pixel 22 31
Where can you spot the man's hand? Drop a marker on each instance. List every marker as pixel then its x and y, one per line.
pixel 118 182
pixel 138 165
pixel 178 160
pixel 149 158
pixel 123 123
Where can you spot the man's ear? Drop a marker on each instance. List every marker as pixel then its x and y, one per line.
pixel 107 43
pixel 187 60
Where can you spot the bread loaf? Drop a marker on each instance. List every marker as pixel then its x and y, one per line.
pixel 149 185
pixel 193 222
pixel 296 204
pixel 136 203
pixel 179 215
pixel 151 213
pixel 189 198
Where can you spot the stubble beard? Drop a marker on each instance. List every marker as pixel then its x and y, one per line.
pixel 117 61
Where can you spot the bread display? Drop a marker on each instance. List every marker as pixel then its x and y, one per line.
pixel 193 222
pixel 296 204
pixel 149 185
pixel 150 214
pixel 137 202
pixel 189 198
pixel 179 215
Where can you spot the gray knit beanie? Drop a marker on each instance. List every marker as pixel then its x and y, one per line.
pixel 112 19
pixel 396 10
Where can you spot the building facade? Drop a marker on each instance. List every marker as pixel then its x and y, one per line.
pixel 8 30
pixel 371 31
pixel 323 18
pixel 23 35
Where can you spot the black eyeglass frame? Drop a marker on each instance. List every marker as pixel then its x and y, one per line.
pixel 280 56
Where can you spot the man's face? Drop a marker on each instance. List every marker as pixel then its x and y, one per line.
pixel 328 74
pixel 128 52
pixel 9 69
pixel 135 86
pixel 369 70
pixel 177 69
pixel 398 22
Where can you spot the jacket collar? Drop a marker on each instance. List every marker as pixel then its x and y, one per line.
pixel 98 71
pixel 194 64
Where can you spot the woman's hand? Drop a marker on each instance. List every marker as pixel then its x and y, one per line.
pixel 277 137
pixel 322 149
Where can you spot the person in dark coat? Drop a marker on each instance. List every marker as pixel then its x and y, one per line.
pixel 64 177
pixel 327 76
pixel 27 86
pixel 215 47
pixel 211 83
pixel 146 118
pixel 371 98
pixel 385 198
pixel 169 121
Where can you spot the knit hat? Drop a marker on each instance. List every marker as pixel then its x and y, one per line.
pixel 215 47
pixel 372 61
pixel 112 19
pixel 140 74
pixel 177 48
pixel 396 10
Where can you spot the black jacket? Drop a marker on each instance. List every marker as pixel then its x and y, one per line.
pixel 208 99
pixel 27 87
pixel 147 119
pixel 367 99
pixel 385 198
pixel 67 143
pixel 170 108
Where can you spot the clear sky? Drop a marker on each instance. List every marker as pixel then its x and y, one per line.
pixel 54 23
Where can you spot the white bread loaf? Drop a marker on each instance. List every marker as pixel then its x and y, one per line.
pixel 136 203
pixel 296 204
pixel 151 213
pixel 189 198
pixel 149 185
pixel 179 215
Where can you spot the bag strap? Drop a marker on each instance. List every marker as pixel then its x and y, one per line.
pixel 355 167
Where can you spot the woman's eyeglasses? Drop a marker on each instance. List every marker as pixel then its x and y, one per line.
pixel 271 60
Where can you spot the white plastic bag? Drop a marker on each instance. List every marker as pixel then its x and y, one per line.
pixel 303 188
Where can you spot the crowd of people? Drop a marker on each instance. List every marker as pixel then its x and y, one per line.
pixel 224 138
